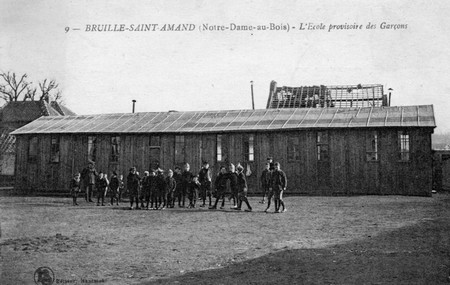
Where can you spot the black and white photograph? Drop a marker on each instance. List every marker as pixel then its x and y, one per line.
pixel 224 142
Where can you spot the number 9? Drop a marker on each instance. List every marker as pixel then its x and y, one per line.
pixel 67 29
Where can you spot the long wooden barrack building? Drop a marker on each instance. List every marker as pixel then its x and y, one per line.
pixel 324 151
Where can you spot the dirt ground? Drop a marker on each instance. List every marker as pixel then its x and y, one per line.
pixel 319 240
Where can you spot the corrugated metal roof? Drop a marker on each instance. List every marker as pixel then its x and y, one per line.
pixel 235 120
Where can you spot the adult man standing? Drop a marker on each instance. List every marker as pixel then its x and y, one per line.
pixel 89 176
pixel 279 182
pixel 133 180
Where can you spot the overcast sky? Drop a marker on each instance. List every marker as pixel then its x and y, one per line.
pixel 101 72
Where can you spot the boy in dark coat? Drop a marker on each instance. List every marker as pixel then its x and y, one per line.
pixel 114 186
pixel 220 184
pixel 75 188
pixel 242 189
pixel 171 185
pixel 178 190
pixel 193 188
pixel 279 183
pixel 265 182
pixel 204 177
pixel 161 189
pixel 101 187
pixel 133 180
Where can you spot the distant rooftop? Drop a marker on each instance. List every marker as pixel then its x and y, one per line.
pixel 27 111
pixel 321 96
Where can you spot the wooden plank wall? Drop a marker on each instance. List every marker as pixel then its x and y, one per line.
pixel 348 171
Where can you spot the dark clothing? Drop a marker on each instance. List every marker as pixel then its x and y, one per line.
pixel 220 184
pixel 271 166
pixel 186 178
pixel 146 186
pixel 204 175
pixel 89 175
pixel 121 189
pixel 171 185
pixel 278 180
pixel 242 190
pixel 232 176
pixel 74 187
pixel 265 178
pixel 133 184
pixel 114 185
pixel 179 188
pixel 101 187
pixel 193 189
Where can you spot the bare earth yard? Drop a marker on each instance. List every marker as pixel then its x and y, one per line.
pixel 320 240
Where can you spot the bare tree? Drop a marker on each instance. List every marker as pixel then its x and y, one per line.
pixel 46 87
pixel 12 88
pixel 58 97
pixel 31 93
pixel 15 88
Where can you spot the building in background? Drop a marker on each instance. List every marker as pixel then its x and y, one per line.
pixel 14 115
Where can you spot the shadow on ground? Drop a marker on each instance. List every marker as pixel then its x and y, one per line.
pixel 418 254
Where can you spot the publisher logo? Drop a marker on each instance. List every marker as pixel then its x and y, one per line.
pixel 44 276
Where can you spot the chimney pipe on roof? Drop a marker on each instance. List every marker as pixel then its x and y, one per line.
pixel 253 100
pixel 390 91
pixel 134 102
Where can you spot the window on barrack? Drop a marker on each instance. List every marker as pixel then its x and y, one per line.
pixel 115 148
pixel 54 150
pixel 404 145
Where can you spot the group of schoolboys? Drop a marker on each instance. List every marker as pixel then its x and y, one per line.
pixel 90 179
pixel 156 191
